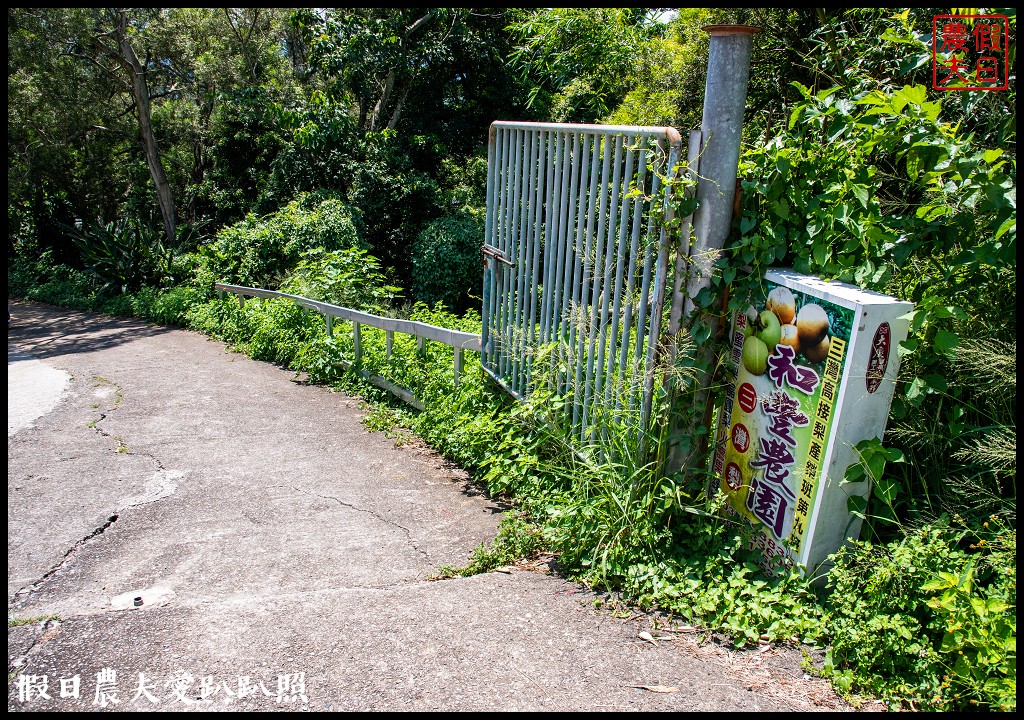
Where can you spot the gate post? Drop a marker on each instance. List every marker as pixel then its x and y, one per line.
pixel 725 98
pixel 721 132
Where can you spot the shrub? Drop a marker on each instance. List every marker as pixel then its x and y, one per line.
pixel 122 255
pixel 260 252
pixel 925 620
pixel 351 278
pixel 446 260
pixel 42 281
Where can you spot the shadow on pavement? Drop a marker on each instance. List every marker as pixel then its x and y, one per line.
pixel 35 328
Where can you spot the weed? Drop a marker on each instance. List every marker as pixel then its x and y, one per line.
pixel 517 539
pixel 15 621
pixel 929 619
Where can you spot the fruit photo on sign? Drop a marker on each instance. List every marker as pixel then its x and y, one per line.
pixel 794 319
pixel 782 303
pixel 812 326
pixel 755 355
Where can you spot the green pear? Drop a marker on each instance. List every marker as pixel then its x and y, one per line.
pixel 771 330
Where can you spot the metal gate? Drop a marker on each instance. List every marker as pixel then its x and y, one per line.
pixel 576 263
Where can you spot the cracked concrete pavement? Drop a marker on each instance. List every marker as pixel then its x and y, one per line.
pixel 282 553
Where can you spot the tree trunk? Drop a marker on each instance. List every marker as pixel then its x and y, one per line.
pixel 382 102
pixel 364 106
pixel 140 94
pixel 398 106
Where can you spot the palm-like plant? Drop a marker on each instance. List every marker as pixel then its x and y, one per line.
pixel 123 255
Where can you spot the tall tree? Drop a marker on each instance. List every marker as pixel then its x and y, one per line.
pixel 577 61
pixel 377 59
pixel 116 45
pixel 66 128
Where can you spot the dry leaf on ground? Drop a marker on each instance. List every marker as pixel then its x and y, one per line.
pixel 657 688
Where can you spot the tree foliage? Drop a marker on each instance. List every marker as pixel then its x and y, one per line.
pixel 292 144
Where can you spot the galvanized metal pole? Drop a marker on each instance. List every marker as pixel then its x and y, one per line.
pixel 725 98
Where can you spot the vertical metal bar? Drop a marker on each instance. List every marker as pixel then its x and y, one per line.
pixel 567 194
pixel 516 250
pixel 421 347
pixel 488 291
pixel 490 354
pixel 220 294
pixel 576 253
pixel 654 337
pixel 389 341
pixel 598 288
pixel 508 300
pixel 634 249
pixel 330 324
pixel 610 255
pixel 554 145
pixel 522 217
pixel 496 338
pixel 586 301
pixel 357 344
pixel 569 259
pixel 621 261
pixel 501 275
pixel 457 367
pixel 649 248
pixel 567 217
pixel 684 249
pixel 650 252
pixel 525 237
pixel 538 218
pixel 241 301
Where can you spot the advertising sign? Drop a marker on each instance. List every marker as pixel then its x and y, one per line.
pixel 814 371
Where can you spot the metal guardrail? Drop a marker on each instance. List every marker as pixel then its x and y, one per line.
pixel 457 339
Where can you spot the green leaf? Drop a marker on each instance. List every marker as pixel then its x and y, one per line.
pixel 781 208
pixel 820 253
pixel 886 489
pixel 946 343
pixel 1010 222
pixel 916 391
pixel 854 474
pixel 914 163
pixel 907 346
pixel 994 605
pixel 894 454
pixel 861 193
pixel 916 94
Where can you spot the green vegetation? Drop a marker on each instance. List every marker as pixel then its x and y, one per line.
pixel 351 168
pixel 15 621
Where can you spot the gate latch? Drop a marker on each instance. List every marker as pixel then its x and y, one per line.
pixel 491 251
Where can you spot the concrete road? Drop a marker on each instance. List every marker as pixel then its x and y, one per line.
pixel 189 529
